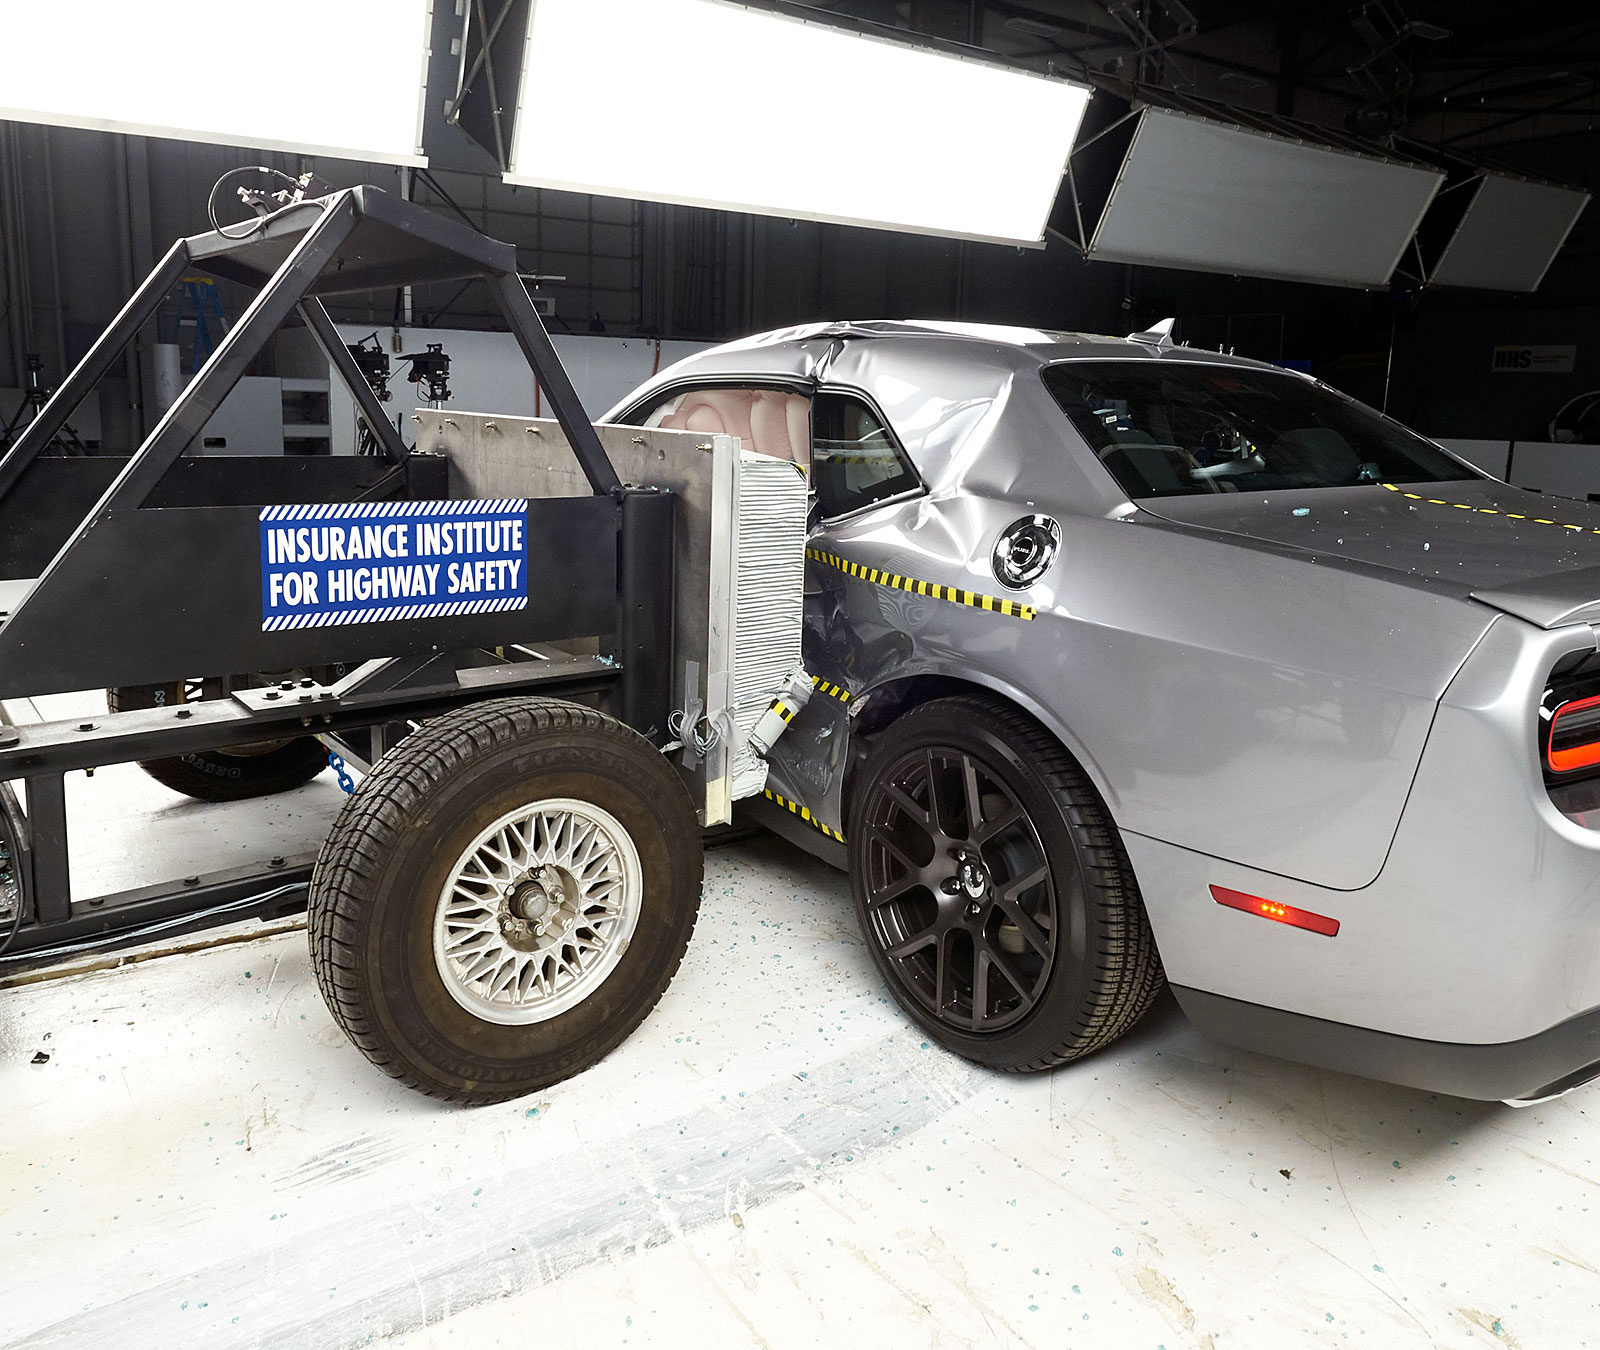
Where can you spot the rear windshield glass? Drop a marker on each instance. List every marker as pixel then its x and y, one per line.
pixel 1166 429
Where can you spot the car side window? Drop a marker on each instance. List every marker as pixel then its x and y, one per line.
pixel 772 422
pixel 855 460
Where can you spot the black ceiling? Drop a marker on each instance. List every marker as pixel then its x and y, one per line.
pixel 1515 86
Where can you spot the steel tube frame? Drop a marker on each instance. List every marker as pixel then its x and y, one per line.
pixel 96 362
pixel 552 376
pixel 327 338
pixel 636 682
pixel 44 754
pixel 183 421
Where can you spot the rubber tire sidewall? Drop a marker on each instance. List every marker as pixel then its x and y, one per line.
pixel 1069 989
pixel 443 1041
pixel 215 775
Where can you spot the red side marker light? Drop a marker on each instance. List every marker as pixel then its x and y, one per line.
pixel 1271 909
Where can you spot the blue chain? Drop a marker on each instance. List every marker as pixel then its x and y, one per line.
pixel 337 765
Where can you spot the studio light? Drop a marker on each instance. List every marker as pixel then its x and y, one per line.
pixel 1509 234
pixel 1199 194
pixel 711 104
pixel 335 77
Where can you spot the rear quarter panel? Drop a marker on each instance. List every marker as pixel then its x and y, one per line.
pixel 1239 701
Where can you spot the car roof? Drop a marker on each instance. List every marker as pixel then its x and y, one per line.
pixel 797 351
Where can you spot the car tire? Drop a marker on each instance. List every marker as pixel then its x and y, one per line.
pixel 233 775
pixel 1006 918
pixel 510 812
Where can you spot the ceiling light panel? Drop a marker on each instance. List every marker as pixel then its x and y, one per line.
pixel 711 104
pixel 1199 194
pixel 1509 235
pixel 336 77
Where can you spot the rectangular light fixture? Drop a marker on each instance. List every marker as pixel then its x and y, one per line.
pixel 325 77
pixel 710 104
pixel 1307 919
pixel 1206 196
pixel 1509 235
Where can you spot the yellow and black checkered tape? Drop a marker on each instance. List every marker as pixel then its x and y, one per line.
pixel 794 808
pixel 783 709
pixel 831 690
pixel 954 594
pixel 1490 511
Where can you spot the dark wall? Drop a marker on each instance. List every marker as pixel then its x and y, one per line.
pixel 1445 384
pixel 96 209
pixel 1444 381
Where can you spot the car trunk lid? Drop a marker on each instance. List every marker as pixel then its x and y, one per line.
pixel 1523 553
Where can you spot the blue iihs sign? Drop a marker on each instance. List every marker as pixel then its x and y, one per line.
pixel 373 562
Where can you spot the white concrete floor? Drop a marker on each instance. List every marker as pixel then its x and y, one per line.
pixel 775 1159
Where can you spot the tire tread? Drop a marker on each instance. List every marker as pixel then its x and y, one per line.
pixel 1127 977
pixel 372 824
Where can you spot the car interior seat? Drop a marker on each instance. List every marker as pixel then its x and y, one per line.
pixel 1155 465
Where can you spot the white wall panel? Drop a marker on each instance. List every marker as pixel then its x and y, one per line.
pixel 488 373
pixel 1490 456
pixel 1560 469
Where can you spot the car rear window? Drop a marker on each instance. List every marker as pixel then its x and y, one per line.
pixel 1172 428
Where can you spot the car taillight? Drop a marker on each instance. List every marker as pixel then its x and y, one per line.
pixel 1573 740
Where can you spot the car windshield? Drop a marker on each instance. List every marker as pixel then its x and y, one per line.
pixel 1174 428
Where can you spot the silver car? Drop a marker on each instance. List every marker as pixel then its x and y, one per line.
pixel 1136 663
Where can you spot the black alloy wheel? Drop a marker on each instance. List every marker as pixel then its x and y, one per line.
pixel 994 891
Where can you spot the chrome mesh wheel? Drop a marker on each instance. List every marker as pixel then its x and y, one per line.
pixel 537 912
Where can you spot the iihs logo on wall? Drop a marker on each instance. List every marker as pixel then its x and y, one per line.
pixel 1535 360
pixel 375 562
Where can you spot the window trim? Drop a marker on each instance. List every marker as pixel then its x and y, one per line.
pixel 919 490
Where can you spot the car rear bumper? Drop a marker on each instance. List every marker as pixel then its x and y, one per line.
pixel 1554 1061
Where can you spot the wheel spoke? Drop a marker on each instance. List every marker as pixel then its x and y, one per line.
pixel 479 926
pixel 914 943
pixel 941 978
pixel 936 814
pixel 503 979
pixel 484 877
pixel 895 889
pixel 1016 885
pixel 585 863
pixel 980 986
pixel 470 945
pixel 1008 816
pixel 893 849
pixel 483 961
pixel 1000 964
pixel 969 788
pixel 906 803
pixel 602 899
pixel 1026 924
